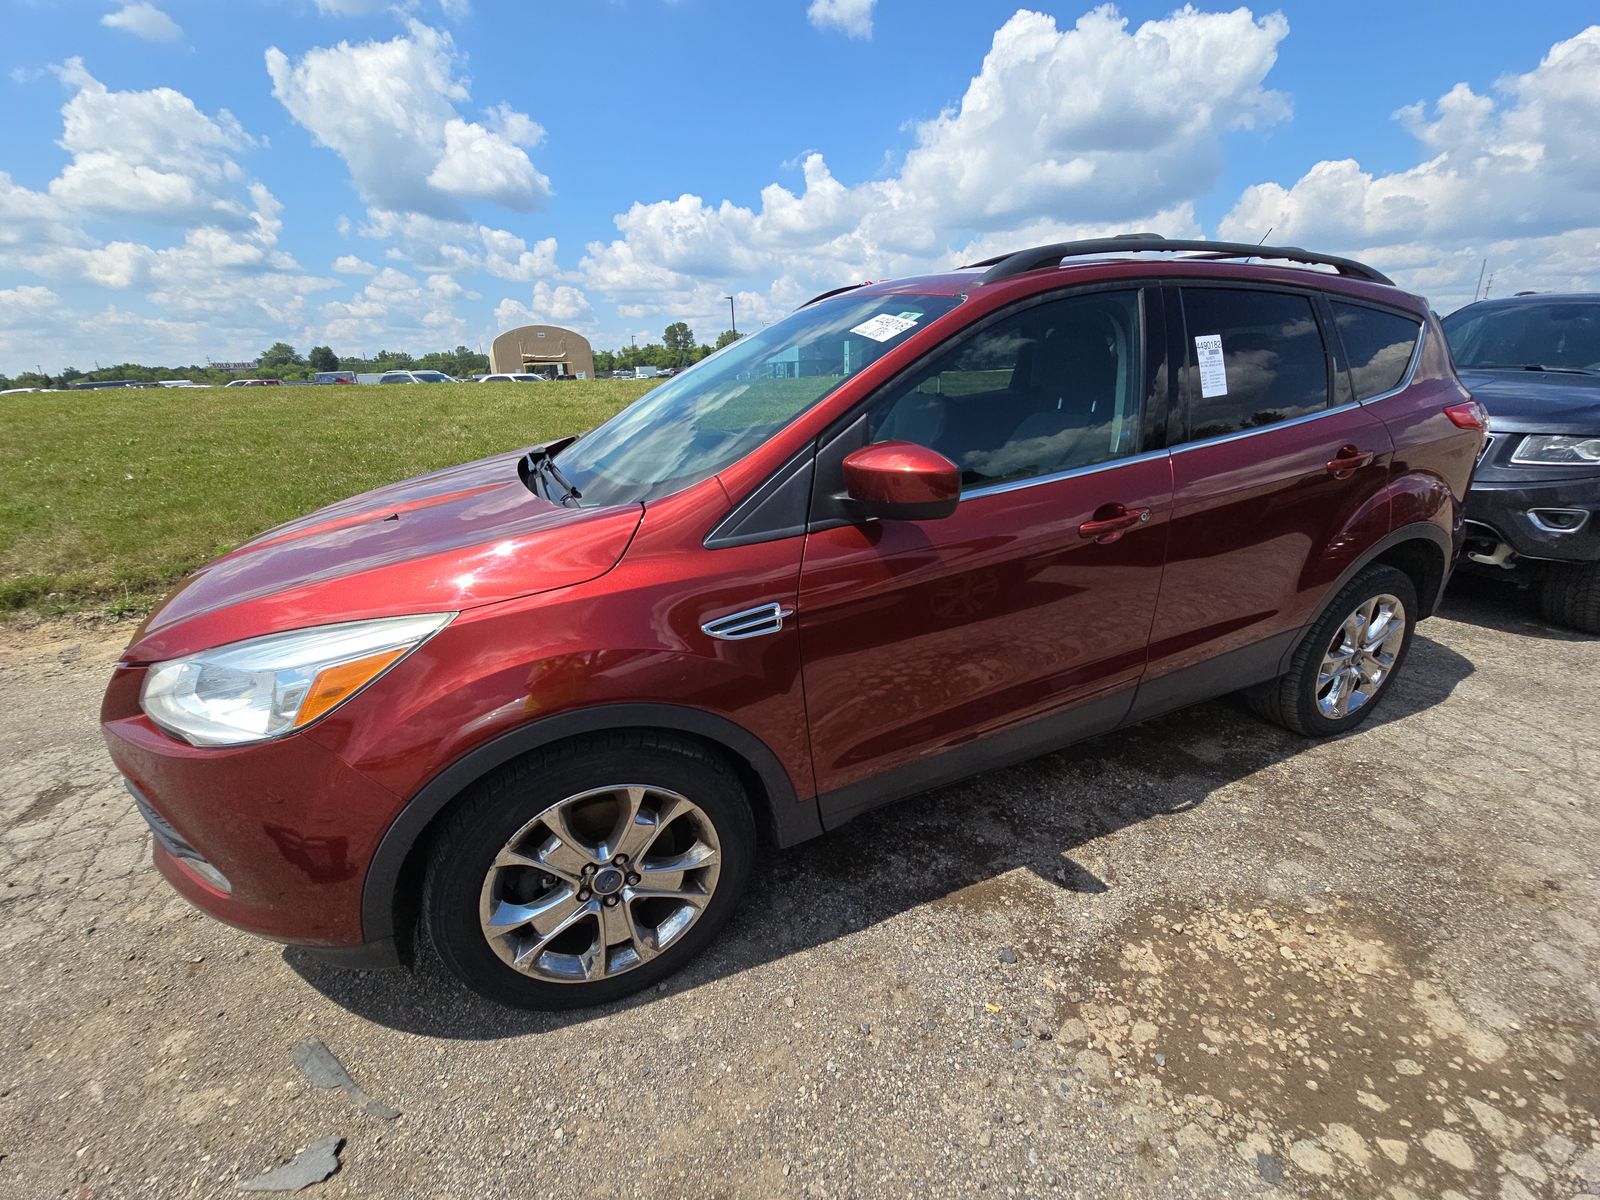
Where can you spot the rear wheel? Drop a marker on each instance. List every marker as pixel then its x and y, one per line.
pixel 1569 594
pixel 1344 664
pixel 582 874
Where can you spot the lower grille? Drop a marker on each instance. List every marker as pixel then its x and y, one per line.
pixel 170 840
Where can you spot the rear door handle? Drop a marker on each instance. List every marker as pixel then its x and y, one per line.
pixel 1111 521
pixel 1348 461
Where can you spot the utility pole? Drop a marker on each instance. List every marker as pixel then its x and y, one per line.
pixel 732 319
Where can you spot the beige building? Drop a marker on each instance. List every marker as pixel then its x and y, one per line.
pixel 543 349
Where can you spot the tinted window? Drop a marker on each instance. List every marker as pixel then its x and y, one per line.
pixel 1273 366
pixel 1564 334
pixel 1379 345
pixel 1050 388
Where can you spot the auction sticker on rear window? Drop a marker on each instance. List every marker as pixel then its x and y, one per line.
pixel 883 327
pixel 1213 374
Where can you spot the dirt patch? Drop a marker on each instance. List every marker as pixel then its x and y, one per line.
pixel 1315 1044
pixel 46 802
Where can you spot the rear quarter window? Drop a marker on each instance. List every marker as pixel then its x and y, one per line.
pixel 1379 345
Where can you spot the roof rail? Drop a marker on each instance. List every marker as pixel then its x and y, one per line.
pixel 838 291
pixel 1004 266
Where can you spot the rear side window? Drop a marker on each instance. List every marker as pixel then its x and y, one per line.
pixel 1255 358
pixel 1378 344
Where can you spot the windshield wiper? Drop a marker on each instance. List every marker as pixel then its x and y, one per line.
pixel 552 474
pixel 537 467
pixel 1532 367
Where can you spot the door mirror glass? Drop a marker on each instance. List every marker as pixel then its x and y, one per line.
pixel 902 481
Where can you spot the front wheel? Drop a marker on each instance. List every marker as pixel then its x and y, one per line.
pixel 1344 664
pixel 1569 594
pixel 579 875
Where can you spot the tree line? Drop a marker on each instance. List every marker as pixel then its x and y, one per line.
pixel 677 348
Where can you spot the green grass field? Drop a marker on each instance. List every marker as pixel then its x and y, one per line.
pixel 109 496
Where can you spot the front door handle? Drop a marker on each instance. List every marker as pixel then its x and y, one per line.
pixel 1348 461
pixel 1111 521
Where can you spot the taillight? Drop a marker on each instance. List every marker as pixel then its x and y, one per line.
pixel 1468 415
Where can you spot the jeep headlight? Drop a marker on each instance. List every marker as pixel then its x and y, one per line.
pixel 1553 449
pixel 268 686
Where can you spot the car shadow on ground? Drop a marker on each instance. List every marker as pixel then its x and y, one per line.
pixel 1478 597
pixel 922 849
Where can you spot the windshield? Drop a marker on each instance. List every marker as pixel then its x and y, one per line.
pixel 726 405
pixel 1562 335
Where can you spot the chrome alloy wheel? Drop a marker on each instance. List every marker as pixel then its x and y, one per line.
pixel 1361 656
pixel 600 883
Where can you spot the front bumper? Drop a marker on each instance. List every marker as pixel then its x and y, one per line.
pixel 287 825
pixel 1520 513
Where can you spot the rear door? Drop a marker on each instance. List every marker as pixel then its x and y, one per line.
pixel 922 638
pixel 1274 466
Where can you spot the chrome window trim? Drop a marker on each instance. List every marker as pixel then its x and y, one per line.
pixel 1249 433
pixel 1016 485
pixel 1411 370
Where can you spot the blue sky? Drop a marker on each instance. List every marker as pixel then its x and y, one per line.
pixel 192 179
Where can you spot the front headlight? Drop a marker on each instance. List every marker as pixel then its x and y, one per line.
pixel 258 689
pixel 1558 449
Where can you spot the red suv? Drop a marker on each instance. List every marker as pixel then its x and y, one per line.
pixel 541 710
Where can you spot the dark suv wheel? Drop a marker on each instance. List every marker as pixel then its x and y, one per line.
pixel 1344 664
pixel 581 874
pixel 1569 594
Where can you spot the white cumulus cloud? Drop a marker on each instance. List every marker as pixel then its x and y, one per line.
pixel 144 21
pixel 150 154
pixel 1092 128
pixel 852 17
pixel 1512 177
pixel 389 109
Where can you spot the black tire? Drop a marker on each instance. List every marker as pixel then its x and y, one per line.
pixel 1569 594
pixel 485 818
pixel 1291 699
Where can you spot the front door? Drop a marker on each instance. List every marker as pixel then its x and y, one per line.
pixel 931 649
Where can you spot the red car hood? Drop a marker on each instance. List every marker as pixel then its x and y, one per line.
pixel 455 539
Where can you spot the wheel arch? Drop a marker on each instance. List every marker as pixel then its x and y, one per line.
pixel 1422 550
pixel 397 861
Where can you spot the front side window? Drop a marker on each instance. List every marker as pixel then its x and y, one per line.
pixel 1255 358
pixel 1556 335
pixel 1379 345
pixel 1048 389
pixel 713 414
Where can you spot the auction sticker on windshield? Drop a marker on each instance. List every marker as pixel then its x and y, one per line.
pixel 883 327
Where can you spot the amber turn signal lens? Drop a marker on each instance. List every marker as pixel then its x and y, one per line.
pixel 335 683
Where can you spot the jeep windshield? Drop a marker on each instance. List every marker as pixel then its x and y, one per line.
pixel 726 405
pixel 1561 335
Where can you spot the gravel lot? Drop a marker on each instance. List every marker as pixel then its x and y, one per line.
pixel 1204 958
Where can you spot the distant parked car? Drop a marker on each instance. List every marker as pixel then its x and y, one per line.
pixel 334 377
pixel 513 377
pixel 417 377
pixel 1534 362
pixel 254 382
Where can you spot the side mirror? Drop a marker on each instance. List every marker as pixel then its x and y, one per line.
pixel 902 481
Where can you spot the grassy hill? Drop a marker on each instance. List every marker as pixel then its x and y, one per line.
pixel 109 496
